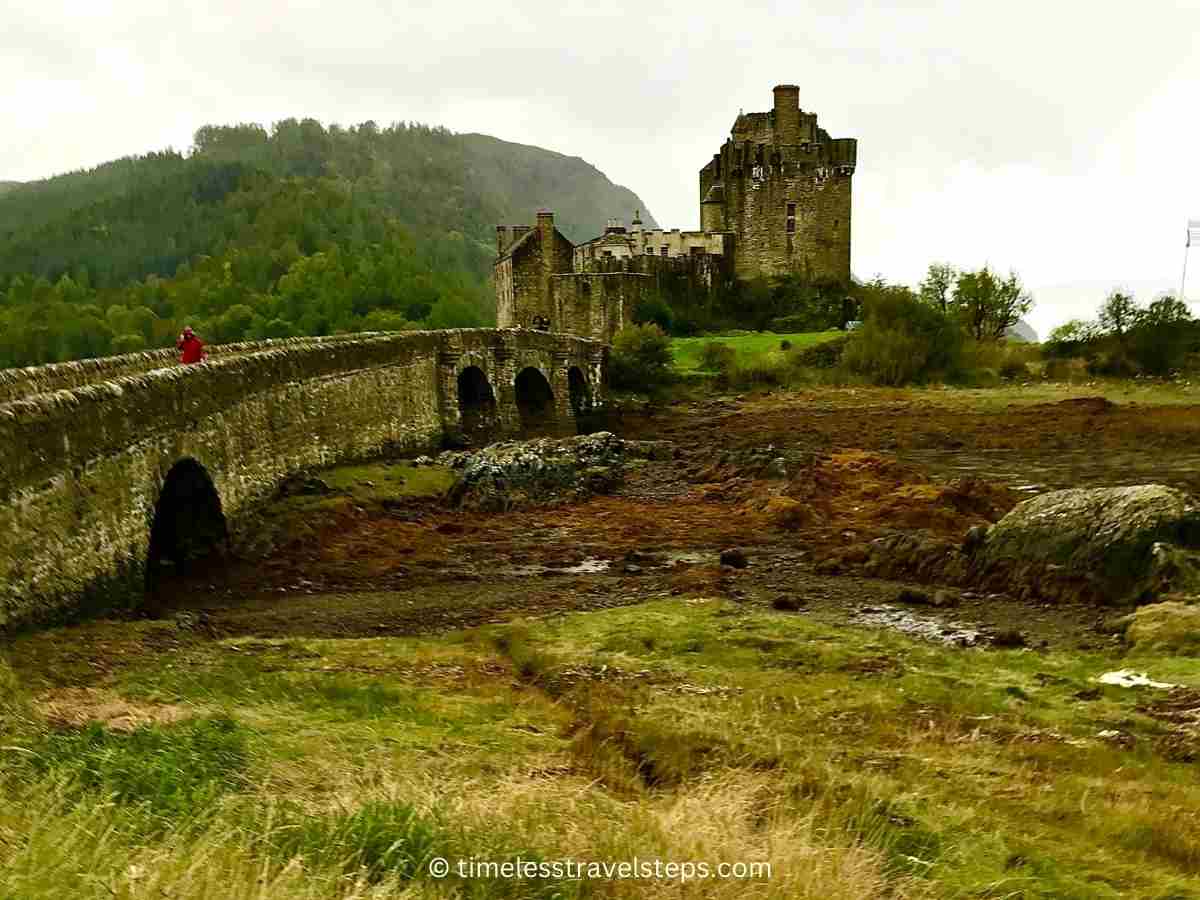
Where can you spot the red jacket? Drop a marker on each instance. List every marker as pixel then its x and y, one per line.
pixel 191 349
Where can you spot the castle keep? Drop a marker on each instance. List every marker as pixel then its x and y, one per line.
pixel 774 201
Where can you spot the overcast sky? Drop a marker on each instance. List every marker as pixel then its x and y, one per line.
pixel 1059 138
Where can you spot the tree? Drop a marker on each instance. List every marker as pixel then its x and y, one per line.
pixel 1161 336
pixel 1118 315
pixel 641 358
pixel 987 305
pixel 1164 312
pixel 938 285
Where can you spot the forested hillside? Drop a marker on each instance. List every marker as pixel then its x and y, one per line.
pixel 298 230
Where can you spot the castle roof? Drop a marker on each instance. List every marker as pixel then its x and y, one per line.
pixel 526 239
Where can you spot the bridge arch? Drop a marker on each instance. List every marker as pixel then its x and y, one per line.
pixel 534 396
pixel 189 521
pixel 580 391
pixel 476 402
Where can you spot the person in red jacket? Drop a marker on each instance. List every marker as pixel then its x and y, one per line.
pixel 190 347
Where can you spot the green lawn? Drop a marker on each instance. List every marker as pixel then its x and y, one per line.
pixel 687 350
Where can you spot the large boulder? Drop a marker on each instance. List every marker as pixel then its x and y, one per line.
pixel 516 473
pixel 1172 626
pixel 1123 544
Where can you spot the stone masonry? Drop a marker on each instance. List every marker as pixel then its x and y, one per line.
pixel 82 467
pixel 776 200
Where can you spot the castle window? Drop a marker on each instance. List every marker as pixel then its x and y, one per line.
pixel 608 254
pixel 791 218
pixel 696 251
pixel 666 250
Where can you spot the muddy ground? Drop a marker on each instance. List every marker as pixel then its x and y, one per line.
pixel 785 478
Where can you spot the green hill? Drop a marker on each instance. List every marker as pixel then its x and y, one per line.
pixel 298 230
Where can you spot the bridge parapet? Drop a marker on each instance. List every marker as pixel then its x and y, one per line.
pixel 82 470
pixel 16 384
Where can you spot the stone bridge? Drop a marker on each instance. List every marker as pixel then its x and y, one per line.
pixel 101 460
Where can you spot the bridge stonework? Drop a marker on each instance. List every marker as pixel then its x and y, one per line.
pixel 82 468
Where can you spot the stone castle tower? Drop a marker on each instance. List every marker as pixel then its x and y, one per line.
pixel 774 201
pixel 781 185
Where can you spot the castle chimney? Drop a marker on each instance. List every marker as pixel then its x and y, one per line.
pixel 637 222
pixel 503 239
pixel 787 114
pixel 545 226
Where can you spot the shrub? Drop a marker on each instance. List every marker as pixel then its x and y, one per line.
pixel 785 345
pixel 1013 368
pixel 902 338
pixel 716 356
pixel 759 369
pixel 654 309
pixel 1159 348
pixel 1113 363
pixel 823 355
pixel 641 358
pixel 1061 369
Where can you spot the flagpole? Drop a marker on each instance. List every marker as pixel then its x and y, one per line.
pixel 1193 228
pixel 1183 277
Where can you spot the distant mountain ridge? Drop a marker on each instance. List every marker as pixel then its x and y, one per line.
pixel 489 181
pixel 582 197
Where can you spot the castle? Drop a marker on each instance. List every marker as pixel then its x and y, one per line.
pixel 775 200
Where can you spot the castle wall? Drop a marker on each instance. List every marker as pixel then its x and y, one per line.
pixel 757 211
pixel 598 304
pixel 650 242
pixel 506 310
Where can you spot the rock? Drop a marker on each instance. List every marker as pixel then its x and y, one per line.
pixel 913 596
pixel 1008 638
pixel 632 569
pixel 974 538
pixel 515 473
pixel 302 485
pixel 776 468
pixel 786 513
pixel 734 558
pixel 656 450
pixel 1172 626
pixel 944 598
pixel 1127 543
pixel 784 603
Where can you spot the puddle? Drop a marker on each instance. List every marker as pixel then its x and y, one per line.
pixel 594 565
pixel 591 565
pixel 1130 678
pixel 950 633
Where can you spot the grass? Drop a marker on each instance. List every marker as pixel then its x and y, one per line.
pixel 335 494
pixel 747 345
pixel 858 763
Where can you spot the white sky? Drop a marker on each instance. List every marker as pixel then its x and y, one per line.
pixel 1058 138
